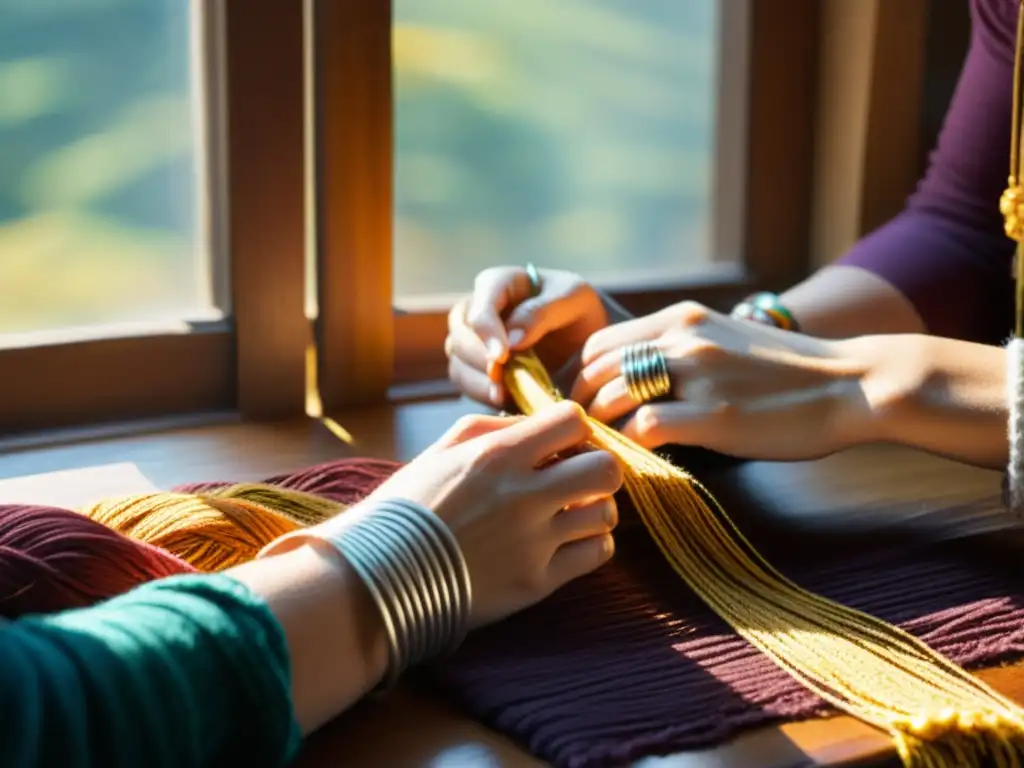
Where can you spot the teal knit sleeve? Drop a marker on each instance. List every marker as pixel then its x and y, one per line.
pixel 185 671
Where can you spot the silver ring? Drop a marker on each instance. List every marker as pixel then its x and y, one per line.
pixel 534 277
pixel 645 371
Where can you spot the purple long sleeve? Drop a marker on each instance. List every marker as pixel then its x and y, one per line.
pixel 946 251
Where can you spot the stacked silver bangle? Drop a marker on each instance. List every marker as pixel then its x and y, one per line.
pixel 413 568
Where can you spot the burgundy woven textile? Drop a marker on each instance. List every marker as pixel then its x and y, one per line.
pixel 627 662
pixel 344 480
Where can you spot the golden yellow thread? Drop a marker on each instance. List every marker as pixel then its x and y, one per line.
pixel 937 714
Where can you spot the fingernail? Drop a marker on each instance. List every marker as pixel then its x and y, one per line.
pixel 495 349
pixel 607 547
pixel 515 337
pixel 496 397
pixel 611 517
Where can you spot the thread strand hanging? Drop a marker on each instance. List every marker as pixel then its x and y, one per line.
pixel 937 714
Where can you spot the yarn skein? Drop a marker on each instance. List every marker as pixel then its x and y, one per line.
pixel 221 527
pixel 53 559
pixel 210 533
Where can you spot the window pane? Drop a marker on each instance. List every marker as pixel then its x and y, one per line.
pixel 574 133
pixel 100 179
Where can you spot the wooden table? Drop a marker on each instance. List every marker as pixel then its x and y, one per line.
pixel 843 502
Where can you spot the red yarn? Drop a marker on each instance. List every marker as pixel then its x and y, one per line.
pixel 343 480
pixel 53 559
pixel 346 480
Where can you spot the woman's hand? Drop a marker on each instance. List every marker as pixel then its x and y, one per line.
pixel 738 388
pixel 526 524
pixel 501 316
pixel 528 517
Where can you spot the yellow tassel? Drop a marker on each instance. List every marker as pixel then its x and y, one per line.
pixel 937 714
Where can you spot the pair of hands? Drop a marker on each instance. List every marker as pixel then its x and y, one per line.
pixel 528 525
pixel 738 387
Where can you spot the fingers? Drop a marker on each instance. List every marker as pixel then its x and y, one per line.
pixel 614 337
pixel 612 402
pixel 495 291
pixel 601 388
pixel 579 558
pixel 595 518
pixel 536 317
pixel 463 340
pixel 471 427
pixel 646 328
pixel 580 479
pixel 597 374
pixel 475 383
pixel 552 430
pixel 468 363
pixel 681 423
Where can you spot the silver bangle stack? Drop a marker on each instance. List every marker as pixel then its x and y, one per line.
pixel 645 370
pixel 413 568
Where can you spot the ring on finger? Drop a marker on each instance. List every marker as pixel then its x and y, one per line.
pixel 534 277
pixel 644 370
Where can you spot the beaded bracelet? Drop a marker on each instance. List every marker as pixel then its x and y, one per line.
pixel 767 309
pixel 414 570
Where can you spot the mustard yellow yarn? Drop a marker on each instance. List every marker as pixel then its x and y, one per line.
pixel 216 529
pixel 304 508
pixel 938 715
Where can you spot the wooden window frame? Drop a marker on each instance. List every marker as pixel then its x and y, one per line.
pixel 763 182
pixel 253 360
pixel 303 136
pixel 874 125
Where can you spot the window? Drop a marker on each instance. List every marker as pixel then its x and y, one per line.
pixel 636 143
pixel 103 198
pixel 143 256
pixel 579 135
pixel 177 185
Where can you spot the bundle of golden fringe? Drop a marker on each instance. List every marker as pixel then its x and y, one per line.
pixel 937 714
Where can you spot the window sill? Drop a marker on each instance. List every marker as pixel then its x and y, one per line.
pixel 221 446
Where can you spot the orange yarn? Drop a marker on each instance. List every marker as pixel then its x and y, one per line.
pixel 209 533
pixel 218 528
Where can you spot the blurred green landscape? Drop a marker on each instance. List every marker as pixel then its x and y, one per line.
pixel 98 180
pixel 576 133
